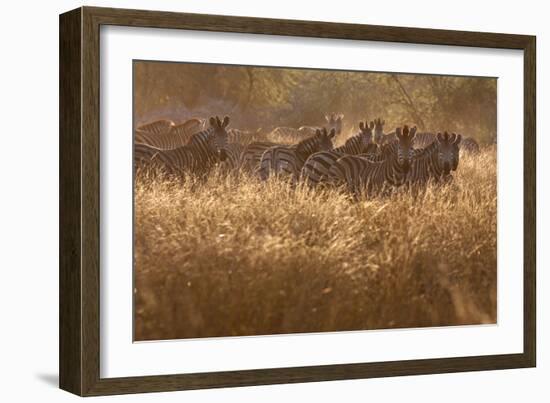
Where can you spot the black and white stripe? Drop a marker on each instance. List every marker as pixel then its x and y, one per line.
pixel 333 121
pixel 469 145
pixel 436 161
pixel 360 174
pixel 252 155
pixel 203 151
pixel 167 137
pixel 289 160
pixel 161 126
pixel 231 163
pixel 292 135
pixel 244 137
pixel 316 167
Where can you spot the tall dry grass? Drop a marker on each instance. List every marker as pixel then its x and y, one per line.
pixel 232 256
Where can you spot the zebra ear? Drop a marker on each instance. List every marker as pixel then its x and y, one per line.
pixel 225 122
pixel 361 126
pixel 332 133
pixel 439 137
pixel 398 132
pixel 458 138
pixel 341 116
pixel 371 125
pixel 212 121
pixel 317 132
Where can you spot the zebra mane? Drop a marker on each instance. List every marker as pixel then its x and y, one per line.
pixel 307 145
pixel 389 148
pixel 350 142
pixel 426 152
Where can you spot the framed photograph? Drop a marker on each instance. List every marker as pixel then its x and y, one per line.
pixel 248 201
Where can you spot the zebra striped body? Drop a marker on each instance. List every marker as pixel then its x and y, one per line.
pixel 469 145
pixel 436 161
pixel 334 121
pixel 252 155
pixel 202 152
pixel 157 127
pixel 426 167
pixel 233 152
pixel 359 173
pixel 242 136
pixel 292 135
pixel 289 160
pixel 421 140
pixel 315 169
pixel 424 139
pixel 288 135
pixel 167 137
pixel 143 155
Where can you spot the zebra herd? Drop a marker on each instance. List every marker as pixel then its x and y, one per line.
pixel 369 161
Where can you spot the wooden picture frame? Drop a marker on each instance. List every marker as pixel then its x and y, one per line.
pixel 79 201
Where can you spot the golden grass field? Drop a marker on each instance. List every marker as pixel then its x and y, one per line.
pixel 232 256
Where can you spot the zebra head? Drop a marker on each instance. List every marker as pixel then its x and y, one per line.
pixel 335 121
pixel 365 133
pixel 405 151
pixel 378 129
pixel 448 151
pixel 324 139
pixel 217 141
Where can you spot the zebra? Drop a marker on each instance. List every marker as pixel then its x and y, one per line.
pixel 233 152
pixel 334 121
pixel 292 135
pixel 316 167
pixel 202 152
pixel 358 173
pixel 289 160
pixel 176 136
pixel 469 145
pixel 422 139
pixel 242 136
pixel 157 127
pixel 378 130
pixel 252 155
pixel 436 161
pixel 280 136
pixel 143 155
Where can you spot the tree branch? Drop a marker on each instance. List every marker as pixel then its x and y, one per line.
pixel 410 103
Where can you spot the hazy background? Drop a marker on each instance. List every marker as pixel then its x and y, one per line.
pixel 267 97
